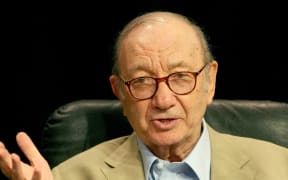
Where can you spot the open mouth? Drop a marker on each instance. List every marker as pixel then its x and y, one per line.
pixel 164 124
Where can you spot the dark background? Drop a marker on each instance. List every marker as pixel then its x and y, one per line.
pixel 52 59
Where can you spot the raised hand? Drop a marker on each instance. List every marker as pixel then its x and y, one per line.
pixel 14 169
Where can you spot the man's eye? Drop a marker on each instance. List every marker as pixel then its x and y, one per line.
pixel 146 81
pixel 181 75
pixel 139 81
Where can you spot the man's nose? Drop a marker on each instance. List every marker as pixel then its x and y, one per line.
pixel 164 98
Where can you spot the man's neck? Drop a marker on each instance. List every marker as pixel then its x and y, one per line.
pixel 177 152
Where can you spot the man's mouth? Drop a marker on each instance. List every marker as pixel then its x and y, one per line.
pixel 164 124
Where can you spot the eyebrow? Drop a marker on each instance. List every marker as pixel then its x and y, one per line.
pixel 176 64
pixel 143 67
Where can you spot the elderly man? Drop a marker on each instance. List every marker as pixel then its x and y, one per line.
pixel 164 76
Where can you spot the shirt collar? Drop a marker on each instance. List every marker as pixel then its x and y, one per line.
pixel 147 157
pixel 199 159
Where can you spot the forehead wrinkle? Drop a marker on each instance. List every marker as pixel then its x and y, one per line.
pixel 147 56
pixel 143 64
pixel 145 45
pixel 140 68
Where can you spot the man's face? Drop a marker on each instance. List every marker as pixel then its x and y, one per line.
pixel 158 49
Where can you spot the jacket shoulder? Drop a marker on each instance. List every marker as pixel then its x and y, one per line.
pixel 265 160
pixel 87 164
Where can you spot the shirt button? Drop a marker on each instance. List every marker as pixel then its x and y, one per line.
pixel 159 165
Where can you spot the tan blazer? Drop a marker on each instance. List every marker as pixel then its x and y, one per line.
pixel 233 158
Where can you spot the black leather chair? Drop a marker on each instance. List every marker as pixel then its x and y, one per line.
pixel 79 125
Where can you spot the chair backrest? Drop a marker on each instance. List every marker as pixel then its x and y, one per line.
pixel 78 125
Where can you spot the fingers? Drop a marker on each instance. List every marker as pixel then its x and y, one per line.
pixel 12 166
pixel 1 145
pixel 5 160
pixel 39 167
pixel 36 175
pixel 17 172
pixel 28 148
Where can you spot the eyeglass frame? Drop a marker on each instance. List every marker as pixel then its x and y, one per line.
pixel 165 79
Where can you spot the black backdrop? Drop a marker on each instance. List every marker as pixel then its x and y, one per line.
pixel 54 59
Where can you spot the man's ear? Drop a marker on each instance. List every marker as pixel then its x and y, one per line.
pixel 114 82
pixel 212 80
pixel 115 86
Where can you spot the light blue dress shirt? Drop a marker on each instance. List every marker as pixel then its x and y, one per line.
pixel 195 166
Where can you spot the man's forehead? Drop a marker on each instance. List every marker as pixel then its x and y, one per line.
pixel 166 34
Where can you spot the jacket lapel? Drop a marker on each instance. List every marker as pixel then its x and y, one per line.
pixel 125 162
pixel 228 161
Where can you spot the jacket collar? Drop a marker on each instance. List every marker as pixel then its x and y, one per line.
pixel 228 160
pixel 125 162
